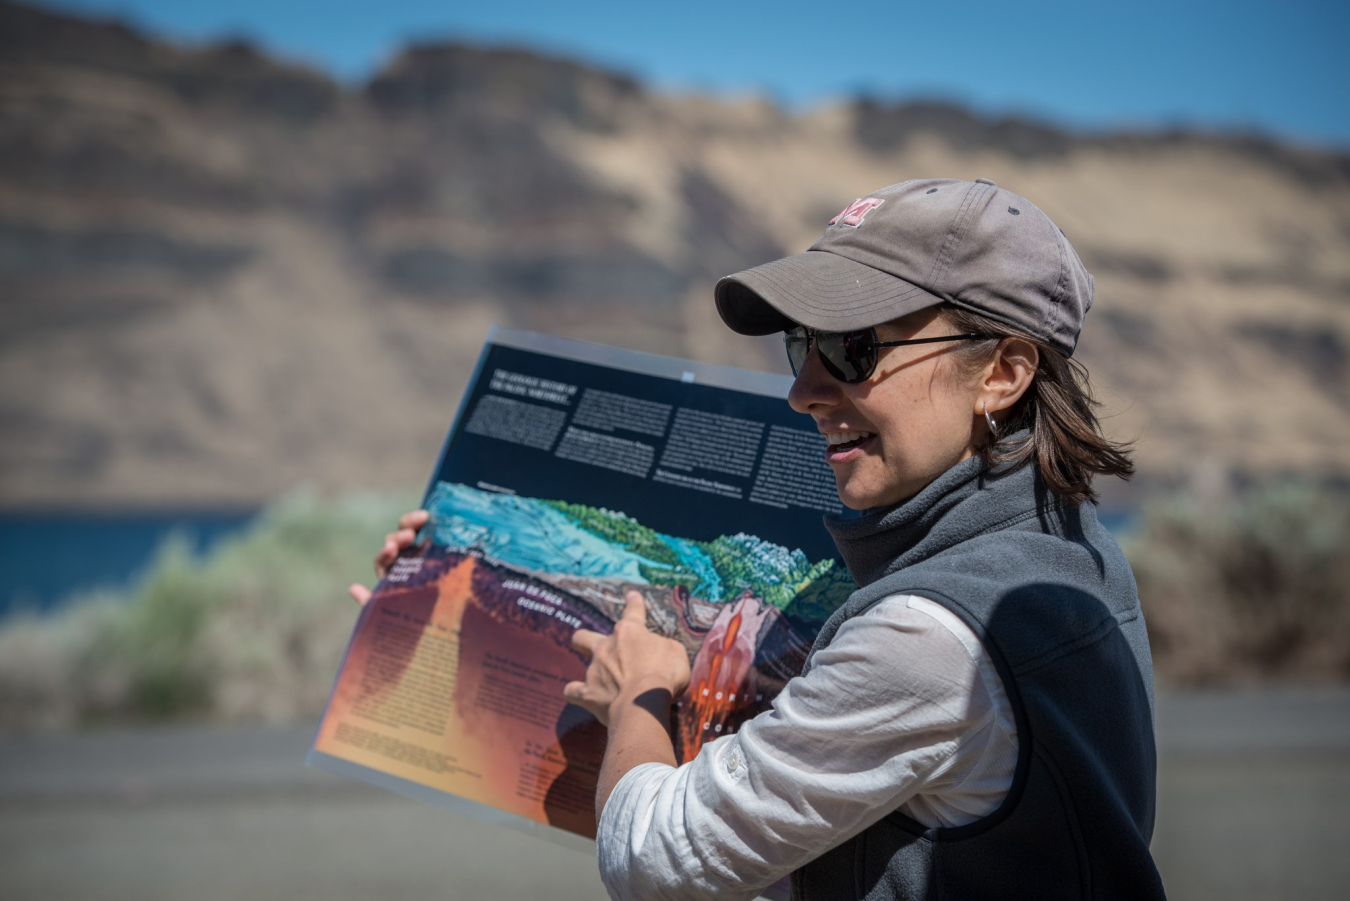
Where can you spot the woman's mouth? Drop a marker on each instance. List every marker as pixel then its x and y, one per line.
pixel 841 445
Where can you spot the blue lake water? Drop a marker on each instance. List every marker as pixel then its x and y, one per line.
pixel 45 557
pixel 1119 523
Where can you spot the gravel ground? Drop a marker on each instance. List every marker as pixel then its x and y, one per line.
pixel 1254 803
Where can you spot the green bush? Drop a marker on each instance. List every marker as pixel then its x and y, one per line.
pixel 253 631
pixel 1252 587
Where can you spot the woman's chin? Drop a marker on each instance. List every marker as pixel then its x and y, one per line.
pixel 857 497
pixel 859 494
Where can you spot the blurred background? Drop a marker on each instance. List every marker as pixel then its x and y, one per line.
pixel 248 254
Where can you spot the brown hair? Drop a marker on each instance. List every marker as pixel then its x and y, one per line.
pixel 1058 411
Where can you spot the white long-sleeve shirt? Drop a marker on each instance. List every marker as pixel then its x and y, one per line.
pixel 903 710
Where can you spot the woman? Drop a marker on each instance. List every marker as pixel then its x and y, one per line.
pixel 976 720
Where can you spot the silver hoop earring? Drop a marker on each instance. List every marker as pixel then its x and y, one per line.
pixel 993 429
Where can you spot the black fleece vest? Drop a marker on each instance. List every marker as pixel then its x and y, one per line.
pixel 1050 595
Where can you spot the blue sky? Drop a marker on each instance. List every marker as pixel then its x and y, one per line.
pixel 1282 68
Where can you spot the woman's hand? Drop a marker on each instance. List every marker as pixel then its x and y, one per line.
pixel 394 543
pixel 634 677
pixel 633 667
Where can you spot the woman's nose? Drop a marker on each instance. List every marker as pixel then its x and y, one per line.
pixel 814 388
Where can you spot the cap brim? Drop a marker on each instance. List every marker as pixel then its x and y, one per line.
pixel 817 289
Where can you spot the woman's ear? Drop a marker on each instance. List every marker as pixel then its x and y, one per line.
pixel 1007 375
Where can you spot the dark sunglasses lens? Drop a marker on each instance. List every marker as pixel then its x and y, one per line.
pixel 861 349
pixel 798 346
pixel 848 356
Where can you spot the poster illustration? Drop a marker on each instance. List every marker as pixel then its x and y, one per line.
pixel 573 475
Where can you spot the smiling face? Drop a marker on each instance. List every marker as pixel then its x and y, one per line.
pixel 915 418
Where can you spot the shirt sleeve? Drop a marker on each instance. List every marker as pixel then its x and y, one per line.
pixel 884 711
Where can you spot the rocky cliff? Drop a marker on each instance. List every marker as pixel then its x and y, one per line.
pixel 222 275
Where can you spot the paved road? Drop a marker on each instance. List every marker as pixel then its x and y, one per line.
pixel 1254 796
pixel 1254 803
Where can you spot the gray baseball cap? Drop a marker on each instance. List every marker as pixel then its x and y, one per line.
pixel 911 246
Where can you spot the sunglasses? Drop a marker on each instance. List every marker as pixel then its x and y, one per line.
pixel 851 357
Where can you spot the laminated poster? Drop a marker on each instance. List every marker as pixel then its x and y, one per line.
pixel 573 474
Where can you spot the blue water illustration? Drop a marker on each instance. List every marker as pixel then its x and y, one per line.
pixel 523 532
pixel 694 560
pixel 576 540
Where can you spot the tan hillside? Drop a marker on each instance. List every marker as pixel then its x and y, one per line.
pixel 221 276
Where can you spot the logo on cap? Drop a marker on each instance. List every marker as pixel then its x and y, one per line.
pixel 853 214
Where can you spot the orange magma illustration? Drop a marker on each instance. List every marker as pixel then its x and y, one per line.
pixel 722 692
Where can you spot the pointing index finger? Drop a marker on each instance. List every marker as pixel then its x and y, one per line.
pixel 635 608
